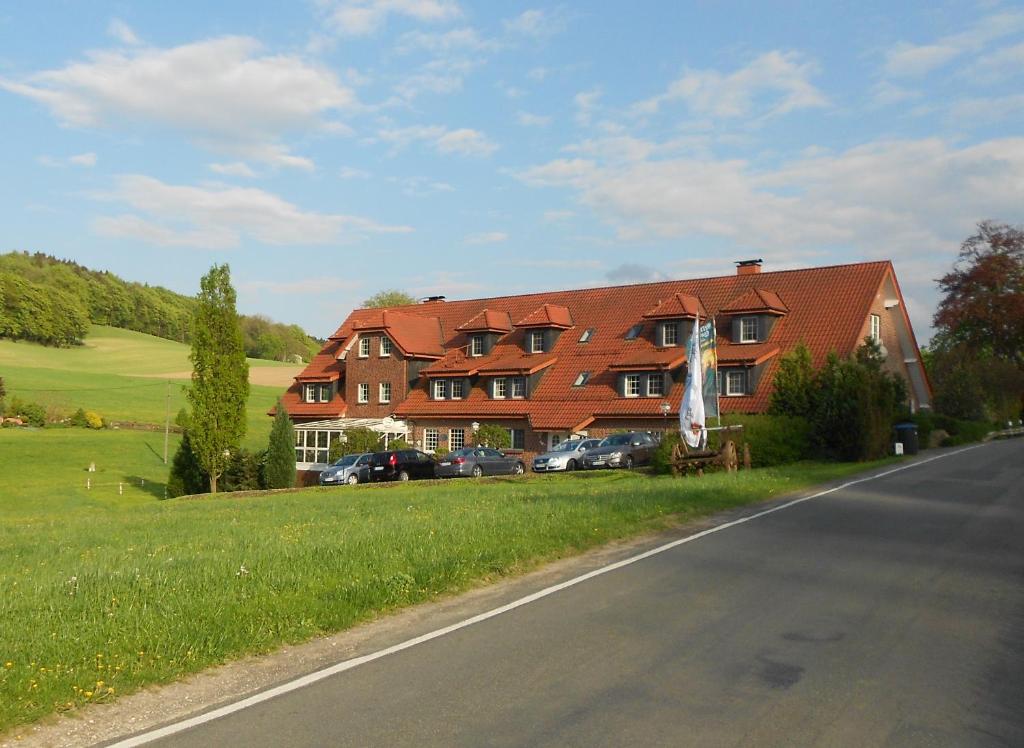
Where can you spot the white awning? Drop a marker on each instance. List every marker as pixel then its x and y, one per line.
pixel 380 425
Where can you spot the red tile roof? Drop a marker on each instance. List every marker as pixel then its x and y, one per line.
pixel 676 306
pixel 415 335
pixel 549 315
pixel 526 363
pixel 488 321
pixel 756 300
pixel 827 310
pixel 646 360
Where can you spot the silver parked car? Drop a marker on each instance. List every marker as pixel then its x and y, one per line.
pixel 566 456
pixel 350 469
pixel 477 461
pixel 621 450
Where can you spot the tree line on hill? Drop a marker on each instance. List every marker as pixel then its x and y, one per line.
pixel 52 301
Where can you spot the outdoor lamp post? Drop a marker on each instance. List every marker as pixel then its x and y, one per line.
pixel 476 427
pixel 665 408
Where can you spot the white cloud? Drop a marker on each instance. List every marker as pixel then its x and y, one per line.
pixel 915 60
pixel 459 40
pixel 219 217
pixel 421 186
pixel 586 103
pixel 774 83
pixel 318 285
pixel 364 17
pixel 886 198
pixel 222 92
pixel 988 110
pixel 554 216
pixel 536 23
pixel 234 169
pixel 122 32
pixel 532 120
pixel 348 172
pixel 633 272
pixel 487 237
pixel 86 160
pixel 1002 63
pixel 438 76
pixel 538 73
pixel 885 93
pixel 464 141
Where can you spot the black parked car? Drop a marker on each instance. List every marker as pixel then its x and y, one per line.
pixel 401 464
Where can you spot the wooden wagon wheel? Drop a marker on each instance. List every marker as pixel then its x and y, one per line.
pixel 729 459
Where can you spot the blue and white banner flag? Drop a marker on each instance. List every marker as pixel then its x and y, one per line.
pixel 691 412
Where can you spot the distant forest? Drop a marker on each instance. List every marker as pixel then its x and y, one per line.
pixel 53 302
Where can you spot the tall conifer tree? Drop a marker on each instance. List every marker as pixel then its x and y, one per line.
pixel 220 375
pixel 281 451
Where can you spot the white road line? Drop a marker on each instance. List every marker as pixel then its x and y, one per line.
pixel 306 680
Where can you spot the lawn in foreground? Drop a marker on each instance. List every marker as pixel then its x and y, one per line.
pixel 99 603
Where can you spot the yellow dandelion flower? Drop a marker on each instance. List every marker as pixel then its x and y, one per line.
pixel 110 689
pixel 8 664
pixel 88 694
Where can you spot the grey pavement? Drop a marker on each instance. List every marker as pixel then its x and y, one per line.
pixel 889 613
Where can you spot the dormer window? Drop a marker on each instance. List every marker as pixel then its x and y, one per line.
pixel 476 345
pixel 439 389
pixel 500 390
pixel 632 385
pixel 748 330
pixel 518 387
pixel 655 385
pixel 537 341
pixel 669 333
pixel 317 393
pixel 735 382
pixel 385 346
pixel 364 347
pixel 456 386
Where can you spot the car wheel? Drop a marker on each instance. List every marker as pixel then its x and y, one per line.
pixel 570 466
pixel 353 479
pixel 477 471
pixel 403 476
pixel 518 469
pixel 629 462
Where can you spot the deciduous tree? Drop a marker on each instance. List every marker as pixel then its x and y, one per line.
pixel 390 297
pixel 220 375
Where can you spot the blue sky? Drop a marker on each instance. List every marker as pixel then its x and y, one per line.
pixel 332 148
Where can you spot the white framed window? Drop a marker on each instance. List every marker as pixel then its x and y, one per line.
pixel 310 393
pixel 364 347
pixel 581 379
pixel 457 386
pixel 364 392
pixel 312 446
pixel 876 327
pixel 500 387
pixel 456 439
pixel 670 334
pixel 439 387
pixel 385 392
pixel 476 345
pixel 632 388
pixel 430 439
pixel 587 334
pixel 518 386
pixel 537 341
pixel 325 393
pixel 748 329
pixel 385 346
pixel 655 385
pixel 736 382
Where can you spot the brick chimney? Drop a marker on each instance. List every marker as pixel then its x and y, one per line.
pixel 748 267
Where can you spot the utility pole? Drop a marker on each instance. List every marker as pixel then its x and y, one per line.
pixel 167 420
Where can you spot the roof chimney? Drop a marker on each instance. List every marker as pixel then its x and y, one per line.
pixel 428 299
pixel 748 267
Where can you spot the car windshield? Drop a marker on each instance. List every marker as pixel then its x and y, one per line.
pixel 617 440
pixel 346 461
pixel 567 446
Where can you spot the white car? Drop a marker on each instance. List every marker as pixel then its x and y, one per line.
pixel 566 456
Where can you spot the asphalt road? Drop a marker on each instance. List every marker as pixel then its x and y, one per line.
pixel 888 613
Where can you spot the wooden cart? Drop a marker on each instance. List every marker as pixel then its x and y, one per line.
pixel 733 454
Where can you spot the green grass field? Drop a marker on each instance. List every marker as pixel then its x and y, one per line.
pixel 113 375
pixel 103 594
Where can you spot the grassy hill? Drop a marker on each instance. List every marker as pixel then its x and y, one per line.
pixel 123 376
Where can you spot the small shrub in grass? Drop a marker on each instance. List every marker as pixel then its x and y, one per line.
pixel 93 420
pixel 661 460
pixel 961 431
pixel 33 414
pixel 244 471
pixel 78 419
